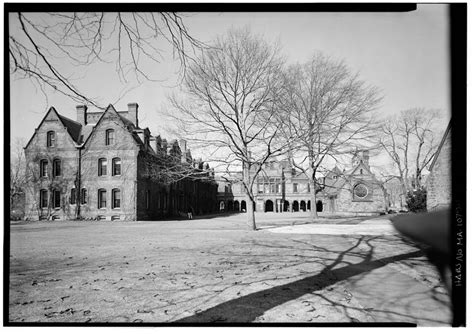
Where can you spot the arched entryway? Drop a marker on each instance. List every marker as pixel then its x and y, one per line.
pixel 236 206
pixel 268 206
pixel 243 206
pixel 230 206
pixel 319 206
pixel 286 206
pixel 303 206
pixel 308 206
pixel 296 206
pixel 221 206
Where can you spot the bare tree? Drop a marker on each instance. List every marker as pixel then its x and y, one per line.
pixel 326 111
pixel 49 48
pixel 411 139
pixel 17 174
pixel 229 104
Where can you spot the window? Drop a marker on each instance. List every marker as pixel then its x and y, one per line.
pixel 51 139
pixel 102 166
pixel 334 177
pixel 43 198
pixel 308 189
pixel 83 196
pixel 102 199
pixel 44 168
pixel 360 191
pixel 57 198
pixel 116 166
pixel 361 172
pixel 56 167
pixel 72 198
pixel 295 187
pixel 278 188
pixel 109 137
pixel 115 198
pixel 260 188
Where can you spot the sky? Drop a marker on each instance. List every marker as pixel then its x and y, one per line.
pixel 405 54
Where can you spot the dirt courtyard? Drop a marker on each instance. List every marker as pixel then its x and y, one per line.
pixel 216 270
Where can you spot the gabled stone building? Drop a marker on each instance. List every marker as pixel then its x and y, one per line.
pixel 104 166
pixel 280 188
pixel 438 183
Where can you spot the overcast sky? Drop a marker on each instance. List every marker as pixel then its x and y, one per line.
pixel 405 54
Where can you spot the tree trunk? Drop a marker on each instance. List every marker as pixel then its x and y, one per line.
pixel 314 212
pixel 250 214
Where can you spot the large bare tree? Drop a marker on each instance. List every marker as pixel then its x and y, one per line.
pixel 410 139
pixel 18 176
pixel 326 110
pixel 51 49
pixel 228 105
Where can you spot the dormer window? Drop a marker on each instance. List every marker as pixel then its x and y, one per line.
pixel 109 137
pixel 51 139
pixel 361 171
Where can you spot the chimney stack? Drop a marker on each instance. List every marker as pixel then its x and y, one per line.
pixel 182 146
pixel 81 111
pixel 133 113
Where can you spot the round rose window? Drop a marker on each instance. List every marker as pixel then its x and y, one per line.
pixel 361 191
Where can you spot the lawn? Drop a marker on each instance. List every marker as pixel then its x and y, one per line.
pixel 216 270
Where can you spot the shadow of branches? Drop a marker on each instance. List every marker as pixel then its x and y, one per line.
pixel 252 306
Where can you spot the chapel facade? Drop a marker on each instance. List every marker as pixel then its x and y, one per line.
pixel 281 188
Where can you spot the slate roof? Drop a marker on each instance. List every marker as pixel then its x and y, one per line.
pixel 73 127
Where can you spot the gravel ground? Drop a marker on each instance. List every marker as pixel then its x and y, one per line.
pixel 216 270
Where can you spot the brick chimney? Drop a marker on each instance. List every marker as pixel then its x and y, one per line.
pixel 81 112
pixel 133 113
pixel 182 146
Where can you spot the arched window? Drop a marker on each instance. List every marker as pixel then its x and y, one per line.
pixel 102 166
pixel 115 198
pixel 56 198
pixel 51 139
pixel 102 198
pixel 109 137
pixel 56 167
pixel 72 198
pixel 116 166
pixel 83 196
pixel 361 171
pixel 44 168
pixel 43 198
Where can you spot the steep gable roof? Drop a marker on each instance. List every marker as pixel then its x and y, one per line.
pixel 127 124
pixel 73 128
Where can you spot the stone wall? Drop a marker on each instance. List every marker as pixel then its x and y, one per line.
pixel 37 150
pixel 126 149
pixel 438 184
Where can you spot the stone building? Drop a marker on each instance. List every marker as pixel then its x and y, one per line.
pixel 281 188
pixel 104 166
pixel 438 183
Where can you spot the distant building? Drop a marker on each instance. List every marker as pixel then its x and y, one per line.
pixel 281 188
pixel 104 166
pixel 438 184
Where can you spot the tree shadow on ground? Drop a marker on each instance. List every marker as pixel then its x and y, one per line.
pixel 250 307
